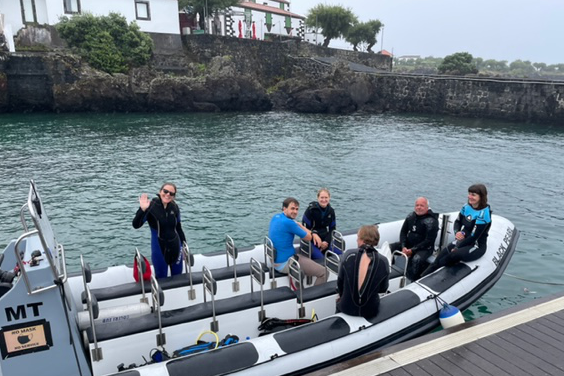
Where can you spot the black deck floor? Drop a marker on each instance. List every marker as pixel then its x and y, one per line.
pixel 524 340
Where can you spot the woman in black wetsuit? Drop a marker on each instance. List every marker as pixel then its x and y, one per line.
pixel 319 217
pixel 471 231
pixel 363 274
pixel 167 236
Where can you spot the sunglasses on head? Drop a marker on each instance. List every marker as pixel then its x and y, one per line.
pixel 166 191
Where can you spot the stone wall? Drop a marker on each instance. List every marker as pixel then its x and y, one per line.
pixel 517 100
pixel 272 61
pixel 48 82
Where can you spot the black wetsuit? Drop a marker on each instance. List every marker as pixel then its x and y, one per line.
pixel 166 235
pixel 366 301
pixel 418 233
pixel 475 223
pixel 321 221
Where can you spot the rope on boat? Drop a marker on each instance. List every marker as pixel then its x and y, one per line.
pixel 533 281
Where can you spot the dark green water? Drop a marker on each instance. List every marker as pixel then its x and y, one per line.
pixel 234 170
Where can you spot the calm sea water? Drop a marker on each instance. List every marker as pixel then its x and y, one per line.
pixel 234 170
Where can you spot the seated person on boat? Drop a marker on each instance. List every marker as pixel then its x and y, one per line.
pixel 167 235
pixel 320 218
pixel 282 230
pixel 363 274
pixel 417 237
pixel 471 231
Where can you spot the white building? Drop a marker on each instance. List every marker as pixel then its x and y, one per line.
pixel 272 19
pixel 152 16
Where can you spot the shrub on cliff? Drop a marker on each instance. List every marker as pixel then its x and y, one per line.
pixel 108 43
pixel 460 63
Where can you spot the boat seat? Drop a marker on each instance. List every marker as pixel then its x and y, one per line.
pixel 394 304
pixel 192 313
pixel 176 281
pixel 320 291
pixel 311 335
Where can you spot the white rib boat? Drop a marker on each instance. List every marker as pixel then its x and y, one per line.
pixel 104 323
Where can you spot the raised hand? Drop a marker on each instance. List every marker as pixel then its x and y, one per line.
pixel 144 202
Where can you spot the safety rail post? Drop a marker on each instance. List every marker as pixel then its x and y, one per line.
pixel 188 263
pixel 231 252
pixel 140 266
pixel 444 231
pixel 305 249
pixel 404 274
pixel 257 274
pixel 270 255
pixel 338 242
pixel 96 353
pixel 332 262
pixel 156 301
pixel 295 274
pixel 210 286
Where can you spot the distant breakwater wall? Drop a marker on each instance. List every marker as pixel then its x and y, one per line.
pixel 474 97
pixel 40 82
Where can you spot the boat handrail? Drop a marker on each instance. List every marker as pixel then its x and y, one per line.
pixel 157 296
pixel 443 241
pixel 332 262
pixel 404 273
pixel 305 247
pixel 210 286
pixel 231 252
pixel 257 274
pixel 140 261
pixel 188 263
pixel 295 274
pixel 338 242
pixel 92 313
pixel 270 256
pixel 30 290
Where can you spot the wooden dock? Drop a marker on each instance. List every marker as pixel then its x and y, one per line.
pixel 523 340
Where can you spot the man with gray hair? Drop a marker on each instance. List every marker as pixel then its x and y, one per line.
pixel 417 237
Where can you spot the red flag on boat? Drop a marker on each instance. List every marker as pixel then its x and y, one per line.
pixel 240 29
pixel 254 31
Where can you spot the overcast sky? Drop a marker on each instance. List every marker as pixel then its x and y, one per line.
pixel 491 29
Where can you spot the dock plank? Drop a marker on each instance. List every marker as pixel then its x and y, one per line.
pixel 524 341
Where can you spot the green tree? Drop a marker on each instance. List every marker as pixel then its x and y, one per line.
pixel 335 21
pixel 364 32
pixel 458 63
pixel 521 68
pixel 199 6
pixel 108 43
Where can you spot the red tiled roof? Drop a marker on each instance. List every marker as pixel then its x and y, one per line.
pixel 269 9
pixel 387 53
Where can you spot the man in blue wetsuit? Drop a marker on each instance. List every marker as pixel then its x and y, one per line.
pixel 282 230
pixel 417 237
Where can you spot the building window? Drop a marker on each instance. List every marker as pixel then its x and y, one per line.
pixel 28 11
pixel 72 6
pixel 142 11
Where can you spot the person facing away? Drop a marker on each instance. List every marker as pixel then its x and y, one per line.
pixel 320 218
pixel 363 274
pixel 282 230
pixel 417 237
pixel 471 231
pixel 167 235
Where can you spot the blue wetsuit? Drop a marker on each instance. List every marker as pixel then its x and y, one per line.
pixel 166 236
pixel 475 223
pixel 282 231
